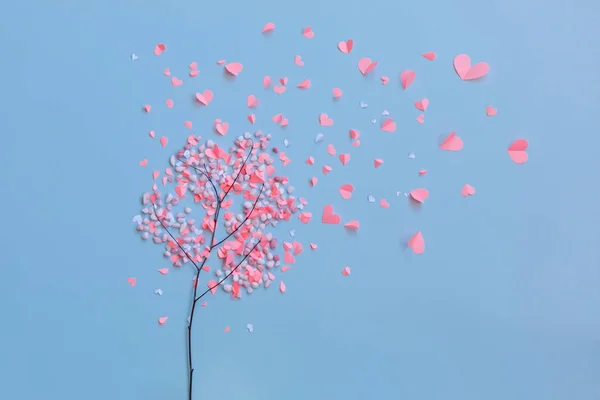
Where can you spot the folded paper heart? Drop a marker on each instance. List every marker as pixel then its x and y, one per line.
pixel 346 47
pixel 252 101
pixel 452 143
pixel 419 195
pixel 422 104
pixel 365 65
pixel 388 125
pixel 328 217
pixel 234 68
pixel 467 190
pixel 324 120
pixel 407 77
pixel 417 244
pixel 516 151
pixel 346 191
pixel 466 72
pixel 205 97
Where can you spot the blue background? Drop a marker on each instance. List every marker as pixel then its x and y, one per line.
pixel 502 304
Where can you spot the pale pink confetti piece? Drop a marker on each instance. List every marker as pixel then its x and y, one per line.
pixel 324 120
pixel 352 225
pixel 147 108
pixel 346 271
pixel 377 162
pixel 227 329
pixel 337 93
pixel 252 118
pixel 162 320
pixel 203 304
pixel 416 243
pixel 310 160
pixel 313 181
pixel 356 143
pixel 167 72
pixel 326 169
pixel 344 158
pixel 384 80
pixel 144 162
pixel 365 65
pixel 151 133
pixel 234 68
pixel 422 172
pixel 346 47
pixel 328 216
pixel 388 125
pixel 466 72
pixel 205 97
pixel 155 175
pixel 305 217
pixel 283 81
pixel 308 32
pixel 159 49
pixel 221 62
pixel 132 281
pixel 252 101
pixel 269 27
pixel 194 66
pixel 421 119
pixel 452 143
pixel 266 81
pixel 490 111
pixel 419 195
pixel 305 84
pixel 163 141
pixel 298 61
pixel 354 134
pixel 175 81
pixel 282 287
pixel 467 190
pixel 164 271
pixel 422 104
pixel 194 73
pixel 279 89
pixel 517 152
pixel 313 246
pixel 430 55
pixel 188 124
pixel 406 78
pixel 278 118
pixel 169 103
pixel 384 204
pixel 212 285
pixel 346 191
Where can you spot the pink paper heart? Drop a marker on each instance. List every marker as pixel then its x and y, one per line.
pixel 193 66
pixel 132 281
pixel 308 33
pixel 162 320
pixel 346 191
pixel 344 158
pixel 205 97
pixel 252 101
pixel 466 72
pixel 407 77
pixel 352 225
pixel 252 118
pixel 176 82
pixel 212 285
pixel 384 80
pixel 377 162
pixel 417 244
pixel 354 134
pixel 167 72
pixel 279 89
pixel 422 105
pixel 305 217
pixel 298 61
pixel 188 124
pixel 421 118
pixel 324 120
pixel 169 103
pixel 283 81
pixel 490 111
pixel 222 128
pixel 234 68
pixel 516 151
pixel 305 84
pixel 337 93
pixel 329 217
pixel 346 47
pixel 467 190
pixel 388 125
pixel 384 204
pixel 452 143
pixel 266 81
pixel 365 65
pixel 429 56
pixel 144 162
pixel 269 27
pixel 346 271
pixel 419 195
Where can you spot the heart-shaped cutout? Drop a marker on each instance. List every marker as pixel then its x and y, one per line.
pixel 329 217
pixel 416 243
pixel 517 152
pixel 234 68
pixel 346 47
pixel 452 143
pixel 365 65
pixel 388 125
pixel 407 77
pixel 419 195
pixel 324 120
pixel 346 191
pixel 466 72
pixel 205 97
pixel 467 190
